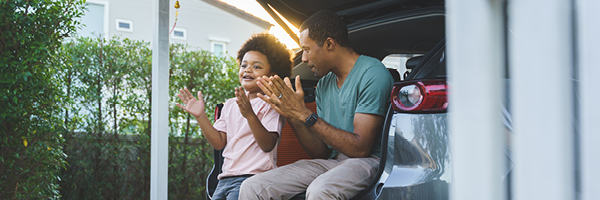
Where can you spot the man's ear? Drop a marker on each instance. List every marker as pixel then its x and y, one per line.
pixel 330 43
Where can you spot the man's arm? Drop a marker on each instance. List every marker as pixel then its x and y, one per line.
pixel 357 144
pixel 312 144
pixel 354 145
pixel 292 102
pixel 314 140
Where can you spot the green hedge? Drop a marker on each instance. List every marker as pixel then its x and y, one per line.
pixel 75 115
pixel 31 98
pixel 107 85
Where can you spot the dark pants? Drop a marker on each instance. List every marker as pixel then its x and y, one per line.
pixel 228 188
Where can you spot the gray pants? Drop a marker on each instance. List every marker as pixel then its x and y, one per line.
pixel 339 178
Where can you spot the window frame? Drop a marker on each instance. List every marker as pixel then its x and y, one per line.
pixel 130 30
pixel 212 47
pixel 221 41
pixel 178 37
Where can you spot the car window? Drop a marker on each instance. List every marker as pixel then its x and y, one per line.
pixel 398 62
pixel 432 67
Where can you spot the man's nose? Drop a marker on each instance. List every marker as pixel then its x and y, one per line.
pixel 304 58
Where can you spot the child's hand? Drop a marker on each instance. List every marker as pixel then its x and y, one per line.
pixel 192 106
pixel 243 102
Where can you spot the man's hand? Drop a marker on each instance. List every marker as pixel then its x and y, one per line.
pixel 282 97
pixel 192 106
pixel 243 102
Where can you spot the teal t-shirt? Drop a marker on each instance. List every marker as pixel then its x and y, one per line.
pixel 366 90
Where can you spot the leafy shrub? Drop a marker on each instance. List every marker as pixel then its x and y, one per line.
pixel 108 87
pixel 31 153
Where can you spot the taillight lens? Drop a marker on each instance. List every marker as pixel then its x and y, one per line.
pixel 420 96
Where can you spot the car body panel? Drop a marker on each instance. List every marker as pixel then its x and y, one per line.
pixel 418 160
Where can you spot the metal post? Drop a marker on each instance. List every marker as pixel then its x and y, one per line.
pixel 541 66
pixel 159 168
pixel 475 53
pixel 589 70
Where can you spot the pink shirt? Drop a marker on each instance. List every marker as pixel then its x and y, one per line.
pixel 242 155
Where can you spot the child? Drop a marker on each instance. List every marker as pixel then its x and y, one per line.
pixel 248 128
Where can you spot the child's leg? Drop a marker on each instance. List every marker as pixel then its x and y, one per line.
pixel 228 188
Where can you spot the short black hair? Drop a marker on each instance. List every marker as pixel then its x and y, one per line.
pixel 324 24
pixel 278 55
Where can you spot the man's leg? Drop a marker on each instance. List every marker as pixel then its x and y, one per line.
pixel 286 181
pixel 344 181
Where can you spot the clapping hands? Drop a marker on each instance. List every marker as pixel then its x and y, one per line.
pixel 286 100
pixel 243 102
pixel 194 106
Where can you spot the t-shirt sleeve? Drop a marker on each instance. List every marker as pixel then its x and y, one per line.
pixel 271 119
pixel 318 99
pixel 374 91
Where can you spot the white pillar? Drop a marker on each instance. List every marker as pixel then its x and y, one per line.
pixel 589 70
pixel 475 50
pixel 159 168
pixel 541 66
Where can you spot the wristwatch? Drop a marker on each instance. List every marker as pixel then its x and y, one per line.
pixel 311 120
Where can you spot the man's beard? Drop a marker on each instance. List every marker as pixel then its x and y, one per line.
pixel 315 72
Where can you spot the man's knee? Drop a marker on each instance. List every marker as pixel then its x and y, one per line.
pixel 321 191
pixel 246 189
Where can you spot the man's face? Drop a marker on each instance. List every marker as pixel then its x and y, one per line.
pixel 313 55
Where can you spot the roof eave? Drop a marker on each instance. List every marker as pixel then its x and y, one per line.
pixel 240 13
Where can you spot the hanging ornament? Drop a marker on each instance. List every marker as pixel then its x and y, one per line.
pixel 176 16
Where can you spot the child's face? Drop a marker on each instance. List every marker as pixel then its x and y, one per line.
pixel 254 65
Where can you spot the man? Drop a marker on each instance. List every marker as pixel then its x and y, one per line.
pixel 344 139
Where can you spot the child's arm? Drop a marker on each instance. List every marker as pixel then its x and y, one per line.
pixel 266 140
pixel 217 139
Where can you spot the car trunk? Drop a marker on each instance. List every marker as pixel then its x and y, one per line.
pixel 376 28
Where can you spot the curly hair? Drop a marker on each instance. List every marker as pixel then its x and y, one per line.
pixel 278 55
pixel 324 24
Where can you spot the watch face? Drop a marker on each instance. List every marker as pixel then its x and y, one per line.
pixel 311 120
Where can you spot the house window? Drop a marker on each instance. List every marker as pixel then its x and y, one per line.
pixel 95 19
pixel 124 25
pixel 179 33
pixel 218 45
pixel 218 48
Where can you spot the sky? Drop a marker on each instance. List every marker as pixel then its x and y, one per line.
pixel 252 7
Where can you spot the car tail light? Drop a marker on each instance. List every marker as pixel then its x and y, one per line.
pixel 420 96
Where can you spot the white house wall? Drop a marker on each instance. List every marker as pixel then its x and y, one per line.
pixel 201 20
